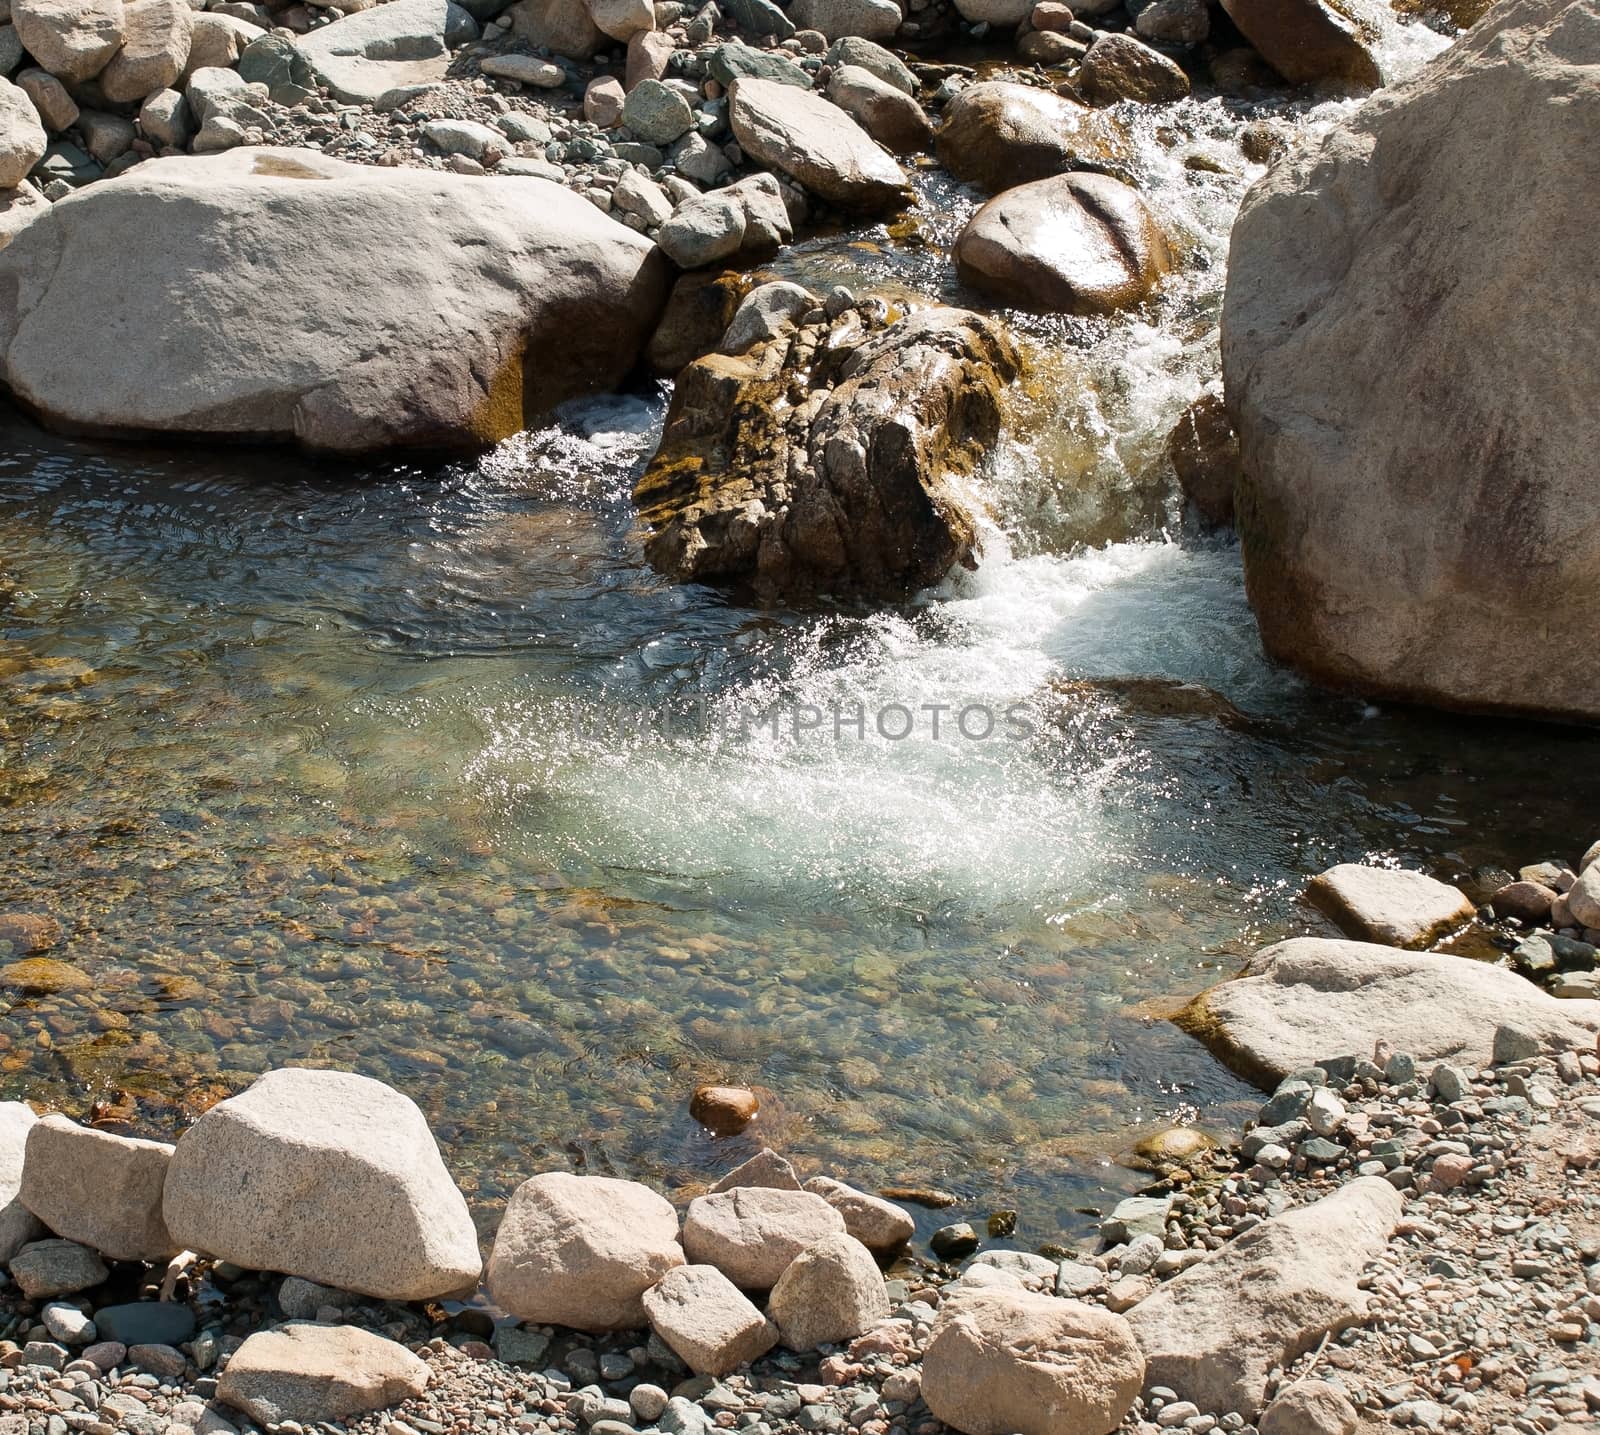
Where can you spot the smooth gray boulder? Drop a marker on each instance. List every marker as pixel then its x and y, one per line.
pixel 387 50
pixel 1214 1332
pixel 1412 385
pixel 238 312
pixel 329 1176
pixel 816 144
pixel 1390 905
pixel 1304 1000
pixel 97 1188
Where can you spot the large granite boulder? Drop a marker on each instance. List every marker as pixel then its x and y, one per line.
pixel 827 459
pixel 998 134
pixel 816 144
pixel 711 1325
pixel 276 294
pixel 830 1293
pixel 389 50
pixel 1412 382
pixel 1075 243
pixel 752 1233
pixel 317 1374
pixel 155 50
pixel 22 136
pixel 325 1175
pixel 1003 1360
pixel 581 1251
pixel 99 1189
pixel 1307 999
pixel 1214 1333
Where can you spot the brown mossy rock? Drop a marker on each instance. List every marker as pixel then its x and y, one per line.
pixel 827 459
pixel 699 309
pixel 998 134
pixel 1310 40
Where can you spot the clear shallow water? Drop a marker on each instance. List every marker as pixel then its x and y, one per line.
pixel 376 770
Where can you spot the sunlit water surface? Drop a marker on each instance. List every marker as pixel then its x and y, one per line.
pixel 424 773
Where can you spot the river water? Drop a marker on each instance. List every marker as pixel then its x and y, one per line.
pixel 421 771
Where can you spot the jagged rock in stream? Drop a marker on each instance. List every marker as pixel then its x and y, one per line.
pixel 1301 1001
pixel 1204 453
pixel 1394 906
pixel 325 1175
pixel 239 313
pixel 1075 244
pixel 1214 1332
pixel 1003 1360
pixel 1413 505
pixel 1310 40
pixel 826 460
pixel 997 134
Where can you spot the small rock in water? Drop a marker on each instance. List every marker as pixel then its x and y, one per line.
pixel 724 1110
pixel 951 1243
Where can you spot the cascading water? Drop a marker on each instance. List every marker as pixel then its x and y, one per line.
pixel 430 776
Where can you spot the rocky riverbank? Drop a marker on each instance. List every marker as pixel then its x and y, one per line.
pixel 1404 1239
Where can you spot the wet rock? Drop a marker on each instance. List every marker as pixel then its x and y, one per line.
pixel 72 39
pixel 1204 453
pixel 18 1225
pixel 1301 999
pixel 724 1110
pixel 1328 371
pixel 1119 67
pixel 580 1251
pixel 305 1373
pixel 887 113
pixel 998 135
pixel 1310 1407
pixel 707 1321
pixel 1528 902
pixel 765 1168
pixel 56 1267
pixel 155 49
pixel 816 144
pixel 867 19
pixel 766 312
pixel 388 50
pixel 751 1233
pixel 1396 907
pixel 1176 1146
pixel 22 136
pixel 1309 40
pixel 1075 243
pixel 1214 1332
pixel 29 933
pixel 99 1189
pixel 326 1175
pixel 1005 1360
pixel 881 1226
pixel 1174 22
pixel 831 1292
pixel 698 313
pixel 824 461
pixel 259 348
pixel 953 1242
